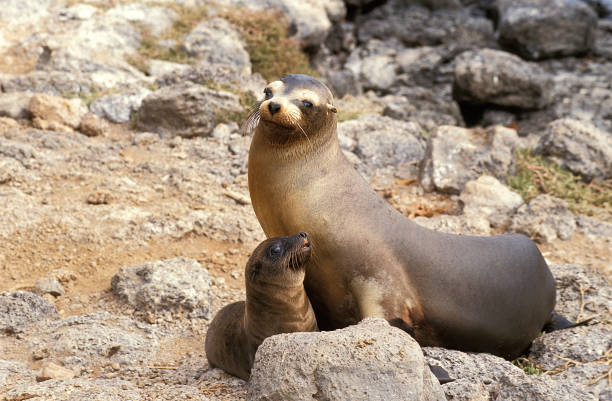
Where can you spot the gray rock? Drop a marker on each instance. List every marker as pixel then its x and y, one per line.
pixel 587 377
pixel 17 11
pixel 156 19
pixel 159 68
pixel 471 224
pixel 371 360
pixel 489 198
pixel 13 374
pixel 98 339
pixel 544 219
pixel 542 388
pixel 85 389
pixel 582 292
pixel 343 82
pixel 49 285
pixel 457 155
pixel 119 107
pixel 216 41
pixel 429 108
pixel 9 170
pixel 466 390
pixel 383 142
pixel 415 25
pixel 581 344
pixel 172 284
pixel 78 12
pixel 20 309
pixel 590 227
pixel 495 77
pixel 537 29
pixel 578 146
pixel 15 105
pixel 478 368
pixel 186 110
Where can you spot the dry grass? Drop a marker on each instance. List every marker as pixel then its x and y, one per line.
pixel 536 176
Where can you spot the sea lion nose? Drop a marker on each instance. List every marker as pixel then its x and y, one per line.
pixel 274 107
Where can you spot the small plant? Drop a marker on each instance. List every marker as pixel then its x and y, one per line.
pixel 272 53
pixel 535 176
pixel 529 367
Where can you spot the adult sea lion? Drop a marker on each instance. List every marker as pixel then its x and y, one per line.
pixel 275 303
pixel 484 294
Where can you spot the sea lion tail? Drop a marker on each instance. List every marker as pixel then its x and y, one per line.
pixel 558 322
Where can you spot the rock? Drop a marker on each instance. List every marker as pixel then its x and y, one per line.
pixel 578 146
pixel 80 389
pixel 335 365
pixel 471 224
pixel 55 113
pixel 186 110
pixel 78 12
pixel 119 107
pixel 581 344
pixel 490 76
pixel 15 105
pixel 343 82
pixel 588 226
pixel 491 199
pixel 466 390
pixel 383 142
pixel 92 125
pixel 582 292
pixel 476 367
pixel 457 155
pixel 159 68
pixel 522 387
pixel 174 284
pixel 588 377
pixel 20 309
pixel 50 370
pixel 49 285
pixel 415 25
pixel 544 219
pixel 538 29
pixel 13 373
pixel 216 41
pixel 156 20
pixel 83 342
pixel 9 170
pixel 427 107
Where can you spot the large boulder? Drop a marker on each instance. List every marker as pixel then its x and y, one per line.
pixel 457 155
pixel 490 76
pixel 538 29
pixel 491 199
pixel 578 146
pixel 186 110
pixel 368 361
pixel 216 41
pixel 544 219
pixel 20 309
pixel 173 285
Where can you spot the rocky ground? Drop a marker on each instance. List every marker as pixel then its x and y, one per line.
pixel 125 219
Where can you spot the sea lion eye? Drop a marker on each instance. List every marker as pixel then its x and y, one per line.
pixel 307 103
pixel 275 250
pixel 268 93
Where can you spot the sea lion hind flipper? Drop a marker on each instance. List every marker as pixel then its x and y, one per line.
pixel 558 322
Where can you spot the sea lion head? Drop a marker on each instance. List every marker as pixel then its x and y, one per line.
pixel 295 108
pixel 279 261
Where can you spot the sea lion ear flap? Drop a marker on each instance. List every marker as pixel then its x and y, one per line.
pixel 332 108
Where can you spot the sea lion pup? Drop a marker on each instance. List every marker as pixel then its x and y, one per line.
pixel 275 303
pixel 483 294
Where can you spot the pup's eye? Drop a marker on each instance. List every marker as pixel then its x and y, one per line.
pixel 275 250
pixel 307 103
pixel 268 93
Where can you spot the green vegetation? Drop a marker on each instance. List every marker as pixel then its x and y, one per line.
pixel 535 176
pixel 528 366
pixel 272 53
